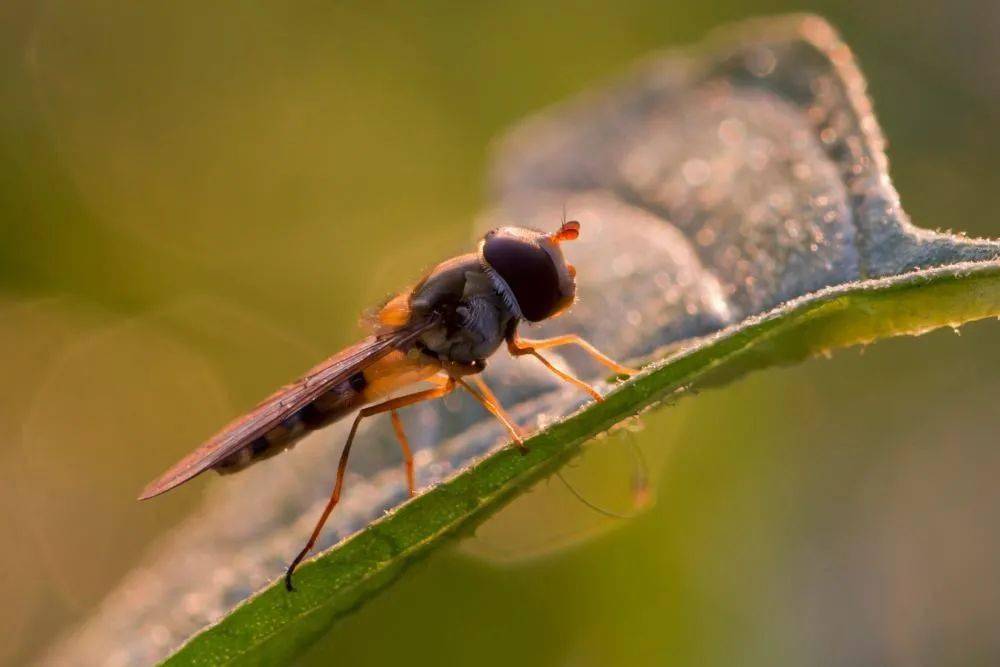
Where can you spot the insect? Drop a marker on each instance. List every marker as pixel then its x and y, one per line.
pixel 440 331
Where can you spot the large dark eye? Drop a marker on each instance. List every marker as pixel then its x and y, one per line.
pixel 528 269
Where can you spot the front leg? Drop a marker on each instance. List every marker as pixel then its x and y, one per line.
pixel 519 348
pixel 568 339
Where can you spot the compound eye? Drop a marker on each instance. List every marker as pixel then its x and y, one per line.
pixel 527 269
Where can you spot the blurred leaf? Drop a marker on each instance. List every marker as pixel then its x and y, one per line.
pixel 737 214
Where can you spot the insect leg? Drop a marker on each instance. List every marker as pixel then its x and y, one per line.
pixel 387 406
pixel 490 397
pixel 490 402
pixel 573 339
pixel 517 350
pixel 404 443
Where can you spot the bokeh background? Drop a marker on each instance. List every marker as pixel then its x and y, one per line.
pixel 197 201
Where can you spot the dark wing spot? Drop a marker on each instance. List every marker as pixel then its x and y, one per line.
pixel 259 446
pixel 358 381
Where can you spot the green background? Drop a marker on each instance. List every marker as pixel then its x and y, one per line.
pixel 196 203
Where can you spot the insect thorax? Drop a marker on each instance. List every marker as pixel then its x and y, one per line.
pixel 475 316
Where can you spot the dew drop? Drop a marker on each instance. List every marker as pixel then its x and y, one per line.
pixel 761 62
pixel 705 236
pixel 696 172
pixel 622 265
pixel 732 131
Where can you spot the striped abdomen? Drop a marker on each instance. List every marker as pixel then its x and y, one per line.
pixel 394 371
pixel 335 404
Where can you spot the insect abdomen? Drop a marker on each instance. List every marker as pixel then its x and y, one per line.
pixel 335 404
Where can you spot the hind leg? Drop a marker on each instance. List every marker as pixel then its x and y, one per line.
pixel 387 406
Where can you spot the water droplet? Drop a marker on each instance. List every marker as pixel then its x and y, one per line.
pixel 761 62
pixel 732 131
pixel 662 280
pixel 623 266
pixel 696 172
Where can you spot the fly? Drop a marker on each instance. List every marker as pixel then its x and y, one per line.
pixel 441 331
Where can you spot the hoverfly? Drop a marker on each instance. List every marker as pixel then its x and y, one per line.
pixel 441 331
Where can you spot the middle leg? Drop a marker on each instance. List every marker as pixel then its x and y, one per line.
pixel 494 408
pixel 492 399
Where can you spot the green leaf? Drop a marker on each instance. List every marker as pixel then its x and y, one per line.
pixel 736 214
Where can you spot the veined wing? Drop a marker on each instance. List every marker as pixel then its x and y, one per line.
pixel 285 402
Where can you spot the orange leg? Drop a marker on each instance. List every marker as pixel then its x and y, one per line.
pixel 573 339
pixel 496 410
pixel 518 351
pixel 490 397
pixel 387 406
pixel 404 443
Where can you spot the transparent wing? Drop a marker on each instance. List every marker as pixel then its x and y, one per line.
pixel 283 403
